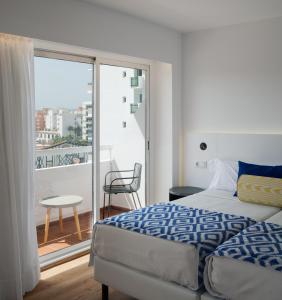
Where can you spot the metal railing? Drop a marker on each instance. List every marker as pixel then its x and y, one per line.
pixel 49 158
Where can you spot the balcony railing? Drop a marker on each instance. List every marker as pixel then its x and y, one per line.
pixel 49 158
pixel 57 178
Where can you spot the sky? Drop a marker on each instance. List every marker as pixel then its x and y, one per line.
pixel 61 84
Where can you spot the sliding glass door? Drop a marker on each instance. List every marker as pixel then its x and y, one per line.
pixel 82 134
pixel 123 137
pixel 64 150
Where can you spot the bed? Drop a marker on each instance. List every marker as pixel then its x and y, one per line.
pixel 148 267
pixel 141 265
pixel 249 266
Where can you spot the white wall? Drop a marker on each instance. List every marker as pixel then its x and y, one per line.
pixel 161 135
pixel 232 80
pixel 255 148
pixel 86 25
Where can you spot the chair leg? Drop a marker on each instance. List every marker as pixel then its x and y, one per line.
pixel 109 204
pixel 105 292
pixel 138 199
pixel 104 206
pixel 134 200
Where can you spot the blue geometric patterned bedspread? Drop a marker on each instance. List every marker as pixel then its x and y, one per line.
pixel 260 244
pixel 203 229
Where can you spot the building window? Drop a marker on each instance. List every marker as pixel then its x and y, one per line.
pixel 133 108
pixel 134 81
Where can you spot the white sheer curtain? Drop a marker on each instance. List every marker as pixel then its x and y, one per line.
pixel 19 267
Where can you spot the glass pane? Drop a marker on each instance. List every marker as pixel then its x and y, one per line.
pixel 122 135
pixel 63 162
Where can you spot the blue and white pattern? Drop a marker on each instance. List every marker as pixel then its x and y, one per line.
pixel 203 229
pixel 260 244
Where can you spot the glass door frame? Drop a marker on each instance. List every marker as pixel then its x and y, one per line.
pixel 83 246
pixel 119 63
pixel 96 62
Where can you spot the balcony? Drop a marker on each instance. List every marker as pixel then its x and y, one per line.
pixel 64 171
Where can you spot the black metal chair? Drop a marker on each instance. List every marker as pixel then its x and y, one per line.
pixel 125 188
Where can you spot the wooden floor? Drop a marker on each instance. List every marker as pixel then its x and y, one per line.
pixel 71 281
pixel 57 240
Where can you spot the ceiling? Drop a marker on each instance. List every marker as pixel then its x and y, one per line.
pixel 192 15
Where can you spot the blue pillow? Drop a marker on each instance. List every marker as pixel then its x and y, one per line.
pixel 258 170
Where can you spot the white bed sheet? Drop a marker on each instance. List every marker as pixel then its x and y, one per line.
pixel 225 202
pixel 233 279
pixel 170 261
pixel 276 219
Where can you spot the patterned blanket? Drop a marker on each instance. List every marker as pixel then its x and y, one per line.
pixel 203 229
pixel 260 244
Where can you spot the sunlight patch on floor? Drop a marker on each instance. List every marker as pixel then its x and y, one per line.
pixel 64 267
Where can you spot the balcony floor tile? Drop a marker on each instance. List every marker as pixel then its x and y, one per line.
pixel 57 240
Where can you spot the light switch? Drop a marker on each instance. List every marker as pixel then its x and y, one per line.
pixel 203 164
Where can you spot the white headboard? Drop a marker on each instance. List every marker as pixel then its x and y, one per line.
pixel 253 148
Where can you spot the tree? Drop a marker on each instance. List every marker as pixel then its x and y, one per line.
pixel 57 139
pixel 78 131
pixel 71 130
pixel 70 139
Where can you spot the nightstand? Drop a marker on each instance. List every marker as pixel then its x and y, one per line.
pixel 177 192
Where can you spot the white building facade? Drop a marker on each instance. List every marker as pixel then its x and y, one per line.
pixel 51 119
pixel 87 127
pixel 45 136
pixel 65 120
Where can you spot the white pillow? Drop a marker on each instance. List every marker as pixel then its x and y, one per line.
pixel 225 174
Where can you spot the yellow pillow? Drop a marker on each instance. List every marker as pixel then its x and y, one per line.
pixel 261 190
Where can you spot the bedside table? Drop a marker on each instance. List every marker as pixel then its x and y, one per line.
pixel 177 192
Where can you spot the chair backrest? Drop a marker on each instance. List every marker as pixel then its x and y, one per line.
pixel 135 184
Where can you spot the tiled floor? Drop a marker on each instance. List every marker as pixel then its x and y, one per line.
pixel 57 240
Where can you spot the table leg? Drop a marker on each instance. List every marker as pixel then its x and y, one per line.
pixel 61 219
pixel 77 223
pixel 47 222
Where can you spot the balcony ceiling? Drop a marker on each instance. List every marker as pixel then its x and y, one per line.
pixel 192 15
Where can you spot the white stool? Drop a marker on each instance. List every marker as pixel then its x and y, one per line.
pixel 61 202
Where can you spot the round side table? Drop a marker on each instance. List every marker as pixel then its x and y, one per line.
pixel 61 202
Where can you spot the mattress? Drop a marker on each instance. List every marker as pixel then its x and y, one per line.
pixel 234 279
pixel 167 260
